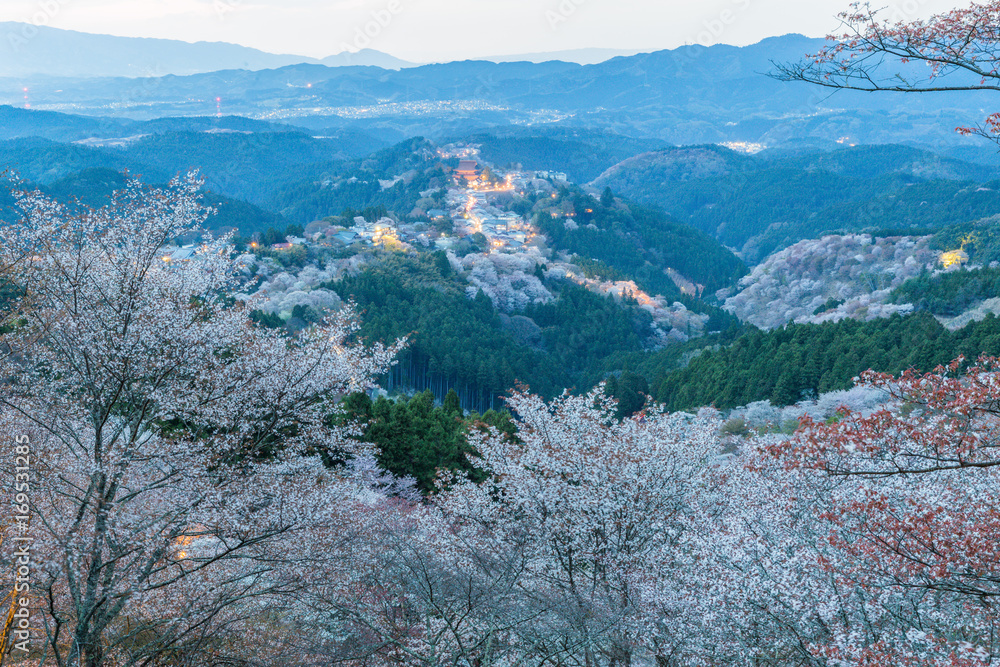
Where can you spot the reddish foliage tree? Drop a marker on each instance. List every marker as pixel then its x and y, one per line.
pixel 912 504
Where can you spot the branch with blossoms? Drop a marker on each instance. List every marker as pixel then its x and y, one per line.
pixel 939 421
pixel 960 49
pixel 608 506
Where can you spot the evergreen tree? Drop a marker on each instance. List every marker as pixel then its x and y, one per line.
pixel 451 403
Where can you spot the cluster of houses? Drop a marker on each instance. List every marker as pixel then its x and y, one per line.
pixel 384 231
pixel 472 211
pixel 502 229
pixel 553 175
pixel 473 206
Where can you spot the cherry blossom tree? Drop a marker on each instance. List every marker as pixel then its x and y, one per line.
pixel 909 518
pixel 959 48
pixel 607 508
pixel 170 496
pixel 577 550
pixel 421 590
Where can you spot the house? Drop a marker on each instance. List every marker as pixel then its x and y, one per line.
pixel 958 257
pixel 183 254
pixel 954 258
pixel 385 230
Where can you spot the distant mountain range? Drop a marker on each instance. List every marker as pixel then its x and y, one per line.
pixel 27 50
pixel 689 95
pixel 578 56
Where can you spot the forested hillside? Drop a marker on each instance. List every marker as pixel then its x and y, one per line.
pixel 580 153
pixel 239 164
pixel 949 294
pixel 641 242
pixel 465 344
pixel 802 360
pixel 412 166
pixel 765 202
pixel 93 186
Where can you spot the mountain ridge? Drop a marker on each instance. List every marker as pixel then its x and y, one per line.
pixel 31 50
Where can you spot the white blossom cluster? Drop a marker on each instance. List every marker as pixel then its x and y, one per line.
pixel 674 323
pixel 508 280
pixel 280 293
pixel 860 399
pixel 790 285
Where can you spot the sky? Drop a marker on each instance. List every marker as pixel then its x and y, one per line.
pixel 442 30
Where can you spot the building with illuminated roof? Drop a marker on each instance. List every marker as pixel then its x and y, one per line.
pixel 468 169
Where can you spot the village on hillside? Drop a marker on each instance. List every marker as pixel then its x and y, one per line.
pixel 473 212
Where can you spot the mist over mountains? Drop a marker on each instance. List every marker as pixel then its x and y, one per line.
pixel 27 50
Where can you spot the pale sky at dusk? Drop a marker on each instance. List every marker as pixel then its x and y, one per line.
pixel 431 30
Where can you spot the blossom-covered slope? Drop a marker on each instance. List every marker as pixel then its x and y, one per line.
pixel 831 278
